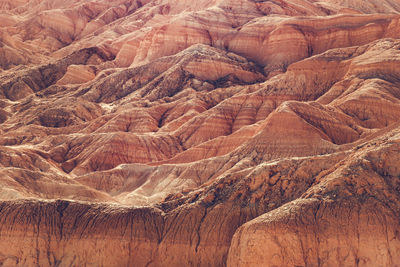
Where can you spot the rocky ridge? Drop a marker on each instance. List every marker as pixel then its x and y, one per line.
pixel 215 133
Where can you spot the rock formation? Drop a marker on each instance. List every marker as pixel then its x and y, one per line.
pixel 199 133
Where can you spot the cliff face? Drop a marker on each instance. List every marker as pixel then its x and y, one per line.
pixel 348 217
pixel 60 233
pixel 207 133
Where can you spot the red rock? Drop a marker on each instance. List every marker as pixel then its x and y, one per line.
pixel 250 133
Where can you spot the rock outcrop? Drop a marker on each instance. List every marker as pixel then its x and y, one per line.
pixel 206 133
pixel 360 195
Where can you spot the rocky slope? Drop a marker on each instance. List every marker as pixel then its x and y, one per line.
pixel 207 133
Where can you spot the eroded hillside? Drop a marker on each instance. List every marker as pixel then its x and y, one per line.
pixel 206 133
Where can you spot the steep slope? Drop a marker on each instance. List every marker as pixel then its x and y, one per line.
pixel 207 133
pixel 348 217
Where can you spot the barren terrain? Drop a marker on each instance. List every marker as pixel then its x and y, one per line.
pixel 199 133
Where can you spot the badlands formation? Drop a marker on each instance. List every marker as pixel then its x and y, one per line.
pixel 200 133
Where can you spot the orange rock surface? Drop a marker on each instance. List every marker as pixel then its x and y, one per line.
pixel 199 133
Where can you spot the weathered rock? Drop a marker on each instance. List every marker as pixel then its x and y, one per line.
pixel 252 133
pixel 348 217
